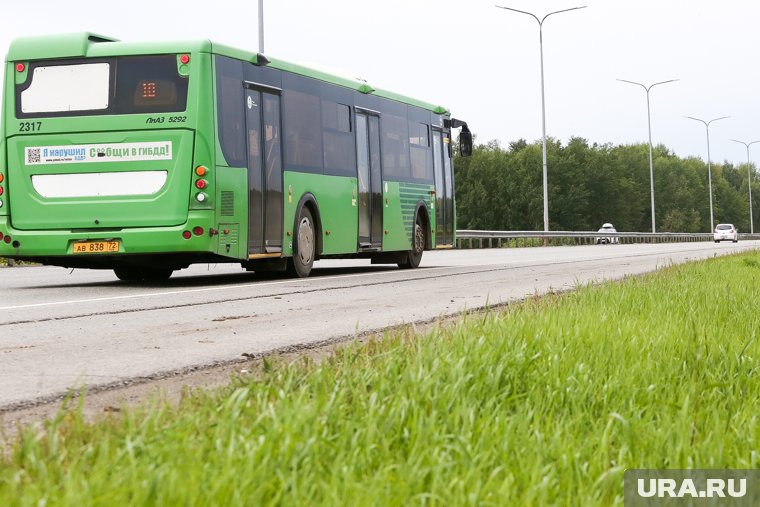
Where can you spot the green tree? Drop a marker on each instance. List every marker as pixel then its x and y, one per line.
pixel 502 189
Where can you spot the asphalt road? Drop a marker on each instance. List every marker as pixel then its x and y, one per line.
pixel 63 329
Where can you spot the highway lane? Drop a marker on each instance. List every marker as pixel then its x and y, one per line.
pixel 63 329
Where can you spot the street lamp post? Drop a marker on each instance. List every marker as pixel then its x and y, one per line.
pixel 543 106
pixel 709 170
pixel 749 182
pixel 649 124
pixel 261 26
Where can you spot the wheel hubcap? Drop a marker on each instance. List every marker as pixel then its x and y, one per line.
pixel 305 241
pixel 419 239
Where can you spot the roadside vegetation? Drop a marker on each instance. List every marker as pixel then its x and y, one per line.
pixel 544 402
pixel 500 188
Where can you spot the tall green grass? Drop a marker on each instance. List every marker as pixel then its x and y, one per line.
pixel 546 402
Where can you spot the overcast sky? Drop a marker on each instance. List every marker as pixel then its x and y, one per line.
pixel 483 63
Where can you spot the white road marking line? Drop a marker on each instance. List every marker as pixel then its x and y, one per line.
pixel 191 291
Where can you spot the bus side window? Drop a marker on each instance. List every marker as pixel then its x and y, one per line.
pixel 395 146
pixel 419 143
pixel 337 138
pixel 301 120
pixel 231 111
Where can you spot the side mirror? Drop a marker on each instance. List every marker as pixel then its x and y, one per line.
pixel 465 142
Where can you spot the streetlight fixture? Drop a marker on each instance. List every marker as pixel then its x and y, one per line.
pixel 749 182
pixel 543 106
pixel 709 170
pixel 649 124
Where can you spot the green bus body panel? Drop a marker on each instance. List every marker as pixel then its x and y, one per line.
pixel 3 165
pixel 67 45
pixel 399 212
pixel 232 211
pixel 335 197
pixel 336 200
pixel 168 206
pixel 88 45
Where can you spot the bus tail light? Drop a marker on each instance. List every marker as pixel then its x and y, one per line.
pixel 184 59
pixel 197 230
pixel 201 184
pixel 20 67
pixel 7 239
pixel 186 234
pixel 201 170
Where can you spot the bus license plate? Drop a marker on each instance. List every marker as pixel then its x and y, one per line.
pixel 96 247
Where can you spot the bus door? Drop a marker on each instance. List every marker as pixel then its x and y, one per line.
pixel 264 170
pixel 369 176
pixel 444 188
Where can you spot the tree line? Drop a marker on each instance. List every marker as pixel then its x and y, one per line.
pixel 501 188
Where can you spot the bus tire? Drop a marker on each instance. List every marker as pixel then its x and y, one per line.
pixel 414 256
pixel 140 274
pixel 304 245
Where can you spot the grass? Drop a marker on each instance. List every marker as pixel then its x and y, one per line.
pixel 546 402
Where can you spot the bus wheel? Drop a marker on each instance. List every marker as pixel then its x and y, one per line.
pixel 305 245
pixel 137 274
pixel 414 256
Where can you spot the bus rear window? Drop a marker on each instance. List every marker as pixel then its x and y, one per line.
pixel 122 85
pixel 67 88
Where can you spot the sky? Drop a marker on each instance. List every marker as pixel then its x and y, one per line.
pixel 483 63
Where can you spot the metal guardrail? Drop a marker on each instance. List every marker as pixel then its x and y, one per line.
pixel 500 239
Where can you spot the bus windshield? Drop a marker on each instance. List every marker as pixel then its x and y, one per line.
pixel 123 85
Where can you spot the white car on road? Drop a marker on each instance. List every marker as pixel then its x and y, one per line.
pixel 606 228
pixel 725 232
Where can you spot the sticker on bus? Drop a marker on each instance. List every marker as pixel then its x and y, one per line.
pixel 113 152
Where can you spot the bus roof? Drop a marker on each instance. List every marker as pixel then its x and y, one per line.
pixel 86 44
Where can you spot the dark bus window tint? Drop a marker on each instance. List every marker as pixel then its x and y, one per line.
pixel 149 84
pixel 418 134
pixel 230 110
pixel 338 143
pixel 301 123
pixel 344 118
pixel 329 115
pixel 136 84
pixel 419 143
pixel 395 145
pixel 449 177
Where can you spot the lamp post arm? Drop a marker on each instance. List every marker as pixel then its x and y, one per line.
pixel 716 119
pixel 662 82
pixel 522 12
pixel 563 10
pixel 634 82
pixel 540 21
pixel 697 119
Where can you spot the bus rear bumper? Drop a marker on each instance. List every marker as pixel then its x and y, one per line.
pixel 112 243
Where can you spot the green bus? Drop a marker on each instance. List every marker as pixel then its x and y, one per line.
pixel 145 158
